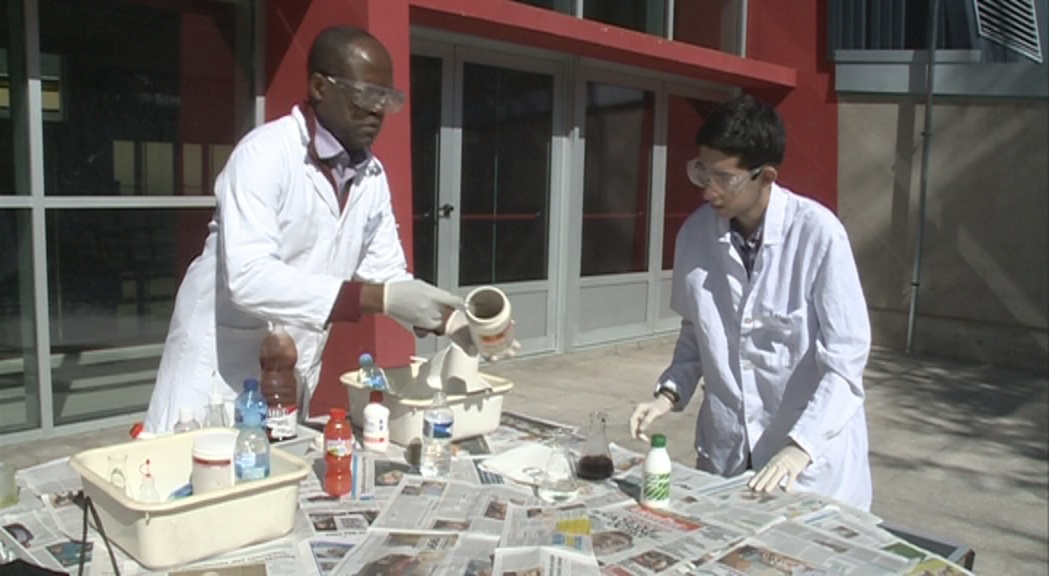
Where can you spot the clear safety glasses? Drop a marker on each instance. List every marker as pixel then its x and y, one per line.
pixel 726 182
pixel 369 96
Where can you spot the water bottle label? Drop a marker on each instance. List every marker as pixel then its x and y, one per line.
pixel 282 422
pixel 656 487
pixel 338 448
pixel 251 466
pixel 439 430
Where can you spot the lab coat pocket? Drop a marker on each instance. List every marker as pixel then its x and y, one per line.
pixel 237 352
pixel 778 338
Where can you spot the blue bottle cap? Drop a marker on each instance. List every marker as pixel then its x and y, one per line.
pixel 251 384
pixel 366 358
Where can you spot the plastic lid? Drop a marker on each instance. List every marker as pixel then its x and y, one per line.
pixel 251 384
pixel 337 414
pixel 366 358
pixel 659 441
pixel 375 396
pixel 214 445
pixel 185 414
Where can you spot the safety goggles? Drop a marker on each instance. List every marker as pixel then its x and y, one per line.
pixel 367 96
pixel 726 182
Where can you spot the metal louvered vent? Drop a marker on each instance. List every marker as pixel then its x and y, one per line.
pixel 1011 23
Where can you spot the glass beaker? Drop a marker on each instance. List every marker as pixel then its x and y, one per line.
pixel 596 461
pixel 558 483
pixel 118 472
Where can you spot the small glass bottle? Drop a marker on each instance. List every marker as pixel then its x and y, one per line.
pixel 558 484
pixel 118 473
pixel 186 422
pixel 596 461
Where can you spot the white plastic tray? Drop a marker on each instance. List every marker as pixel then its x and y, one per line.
pixel 476 412
pixel 163 535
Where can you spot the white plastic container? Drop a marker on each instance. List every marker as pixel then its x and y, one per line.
pixel 376 437
pixel 163 535
pixel 213 461
pixel 489 314
pixel 476 412
pixel 655 474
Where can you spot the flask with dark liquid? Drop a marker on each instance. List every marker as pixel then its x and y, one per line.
pixel 596 462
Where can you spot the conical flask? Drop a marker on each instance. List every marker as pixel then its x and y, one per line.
pixel 596 461
pixel 559 483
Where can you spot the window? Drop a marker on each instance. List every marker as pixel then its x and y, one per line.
pixel 616 180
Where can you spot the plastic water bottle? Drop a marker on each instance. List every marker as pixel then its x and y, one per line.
pixel 186 422
pixel 371 375
pixel 655 483
pixel 249 401
pixel 251 454
pixel 435 461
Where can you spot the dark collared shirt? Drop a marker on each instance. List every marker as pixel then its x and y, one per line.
pixel 746 246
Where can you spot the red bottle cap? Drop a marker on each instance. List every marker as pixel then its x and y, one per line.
pixel 337 414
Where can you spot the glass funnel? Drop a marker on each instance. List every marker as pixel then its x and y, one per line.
pixel 596 461
pixel 558 483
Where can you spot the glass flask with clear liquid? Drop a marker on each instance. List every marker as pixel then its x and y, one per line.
pixel 596 461
pixel 118 472
pixel 558 483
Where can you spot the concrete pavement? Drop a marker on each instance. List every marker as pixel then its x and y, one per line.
pixel 958 451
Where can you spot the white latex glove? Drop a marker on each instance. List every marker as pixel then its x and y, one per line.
pixel 418 304
pixel 646 413
pixel 458 331
pixel 787 463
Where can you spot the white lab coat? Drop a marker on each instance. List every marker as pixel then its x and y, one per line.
pixel 781 354
pixel 277 251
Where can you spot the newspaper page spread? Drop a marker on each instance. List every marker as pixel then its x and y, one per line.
pixel 793 548
pixel 632 539
pixel 384 552
pixel 540 541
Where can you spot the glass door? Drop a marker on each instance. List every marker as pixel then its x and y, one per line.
pixel 486 176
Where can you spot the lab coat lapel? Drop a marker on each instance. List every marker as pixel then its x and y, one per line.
pixel 323 183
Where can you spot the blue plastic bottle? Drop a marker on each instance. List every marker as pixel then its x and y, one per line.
pixel 371 375
pixel 250 400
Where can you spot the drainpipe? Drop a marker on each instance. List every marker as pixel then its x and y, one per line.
pixel 916 276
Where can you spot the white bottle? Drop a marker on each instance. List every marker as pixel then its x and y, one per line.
pixel 436 458
pixel 186 422
pixel 655 483
pixel 376 424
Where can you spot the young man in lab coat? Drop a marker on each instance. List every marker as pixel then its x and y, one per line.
pixel 773 320
pixel 303 235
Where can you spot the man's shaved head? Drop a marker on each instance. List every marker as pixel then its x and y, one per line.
pixel 333 47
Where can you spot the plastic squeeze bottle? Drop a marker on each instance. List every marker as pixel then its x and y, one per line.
pixel 338 453
pixel 277 357
pixel 376 424
pixel 655 483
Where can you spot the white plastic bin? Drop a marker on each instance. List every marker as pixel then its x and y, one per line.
pixel 163 535
pixel 476 412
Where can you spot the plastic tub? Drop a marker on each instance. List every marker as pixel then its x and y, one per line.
pixel 163 535
pixel 476 412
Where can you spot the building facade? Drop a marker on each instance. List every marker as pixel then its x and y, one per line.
pixel 542 150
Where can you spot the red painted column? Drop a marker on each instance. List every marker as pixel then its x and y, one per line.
pixel 291 27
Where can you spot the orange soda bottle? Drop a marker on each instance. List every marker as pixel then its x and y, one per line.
pixel 338 453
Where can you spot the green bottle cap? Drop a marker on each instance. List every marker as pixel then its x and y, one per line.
pixel 659 441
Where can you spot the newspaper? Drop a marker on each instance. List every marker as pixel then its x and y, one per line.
pixel 633 539
pixel 546 541
pixel 450 506
pixel 383 552
pixel 793 548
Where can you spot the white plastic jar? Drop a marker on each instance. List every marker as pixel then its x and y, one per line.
pixel 213 461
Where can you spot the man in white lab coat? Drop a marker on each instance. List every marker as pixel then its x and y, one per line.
pixel 773 320
pixel 303 235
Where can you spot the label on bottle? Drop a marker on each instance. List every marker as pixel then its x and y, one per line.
pixel 376 434
pixel 338 447
pixel 251 466
pixel 656 489
pixel 438 430
pixel 282 422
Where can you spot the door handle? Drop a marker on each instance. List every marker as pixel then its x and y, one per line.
pixel 445 211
